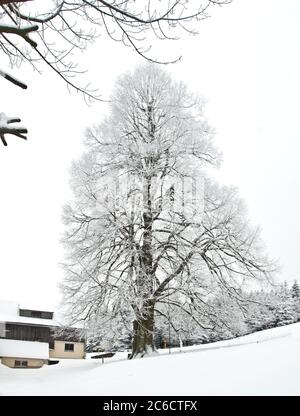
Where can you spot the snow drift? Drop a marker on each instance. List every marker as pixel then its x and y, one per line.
pixel 263 363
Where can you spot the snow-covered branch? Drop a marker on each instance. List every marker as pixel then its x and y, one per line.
pixel 21 31
pixel 73 25
pixel 12 1
pixel 7 126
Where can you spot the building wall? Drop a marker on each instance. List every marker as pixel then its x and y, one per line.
pixel 59 350
pixel 27 332
pixel 32 363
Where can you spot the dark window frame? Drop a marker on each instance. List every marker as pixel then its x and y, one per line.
pixel 21 363
pixel 33 313
pixel 69 347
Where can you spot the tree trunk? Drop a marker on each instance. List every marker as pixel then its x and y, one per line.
pixel 143 338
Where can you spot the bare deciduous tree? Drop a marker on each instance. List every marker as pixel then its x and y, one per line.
pixel 145 228
pixel 49 32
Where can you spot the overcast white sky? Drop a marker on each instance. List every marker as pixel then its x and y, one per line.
pixel 245 61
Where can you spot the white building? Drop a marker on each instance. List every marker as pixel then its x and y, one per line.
pixel 29 338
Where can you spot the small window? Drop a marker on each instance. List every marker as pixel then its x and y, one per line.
pixel 21 364
pixel 69 347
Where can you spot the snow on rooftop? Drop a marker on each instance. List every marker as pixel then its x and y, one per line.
pixel 24 349
pixel 28 320
pixel 37 305
pixel 9 312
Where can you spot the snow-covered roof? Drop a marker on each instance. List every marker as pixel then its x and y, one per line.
pixel 24 349
pixel 9 312
pixel 37 305
pixel 28 320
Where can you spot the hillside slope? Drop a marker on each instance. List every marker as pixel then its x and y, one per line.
pixel 264 363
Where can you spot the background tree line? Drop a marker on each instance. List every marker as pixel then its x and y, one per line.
pixel 263 309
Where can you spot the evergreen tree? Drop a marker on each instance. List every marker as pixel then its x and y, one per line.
pixel 295 290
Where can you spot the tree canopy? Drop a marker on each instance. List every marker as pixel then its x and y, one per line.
pixel 147 226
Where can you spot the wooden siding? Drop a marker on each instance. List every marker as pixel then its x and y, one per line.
pixel 41 333
pixel 28 332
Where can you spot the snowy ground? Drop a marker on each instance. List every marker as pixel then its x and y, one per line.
pixel 265 363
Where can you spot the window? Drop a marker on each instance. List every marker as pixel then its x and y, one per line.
pixel 21 364
pixel 36 314
pixel 69 347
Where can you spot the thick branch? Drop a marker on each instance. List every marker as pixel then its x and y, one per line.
pixel 21 31
pixel 49 17
pixel 13 80
pixel 12 1
pixel 7 127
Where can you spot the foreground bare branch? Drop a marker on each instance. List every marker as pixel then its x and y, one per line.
pixel 7 126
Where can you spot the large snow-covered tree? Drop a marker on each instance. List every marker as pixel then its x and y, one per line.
pixel 146 228
pixel 51 31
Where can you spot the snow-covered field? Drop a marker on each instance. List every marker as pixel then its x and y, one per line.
pixel 264 363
